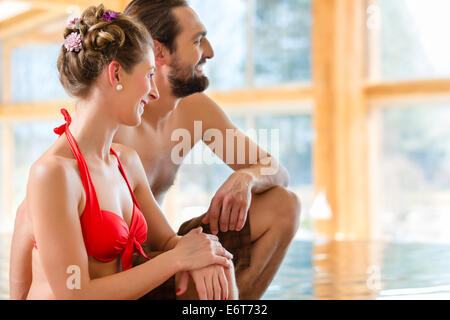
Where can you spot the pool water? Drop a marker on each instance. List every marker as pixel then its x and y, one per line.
pixel 363 270
pixel 342 270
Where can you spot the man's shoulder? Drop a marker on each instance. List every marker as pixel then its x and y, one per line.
pixel 198 103
pixel 201 107
pixel 125 153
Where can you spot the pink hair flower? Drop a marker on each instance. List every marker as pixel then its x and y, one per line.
pixel 73 42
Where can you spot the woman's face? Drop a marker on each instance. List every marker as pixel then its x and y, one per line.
pixel 138 89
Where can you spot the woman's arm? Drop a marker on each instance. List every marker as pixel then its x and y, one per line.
pixel 53 207
pixel 20 268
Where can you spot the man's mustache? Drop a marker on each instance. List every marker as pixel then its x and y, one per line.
pixel 203 61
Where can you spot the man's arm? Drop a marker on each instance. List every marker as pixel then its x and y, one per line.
pixel 255 169
pixel 237 150
pixel 20 268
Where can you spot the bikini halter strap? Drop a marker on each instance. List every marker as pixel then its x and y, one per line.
pixel 61 129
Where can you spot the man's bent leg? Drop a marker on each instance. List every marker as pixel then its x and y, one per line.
pixel 275 218
pixel 238 243
pixel 260 247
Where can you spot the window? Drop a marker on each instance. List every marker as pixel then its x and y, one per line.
pixel 295 137
pixel 34 74
pixel 257 42
pixel 225 22
pixel 282 42
pixel 31 140
pixel 413 39
pixel 412 174
pixel 295 154
pixel 415 172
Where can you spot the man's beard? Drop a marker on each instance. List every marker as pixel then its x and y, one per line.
pixel 185 82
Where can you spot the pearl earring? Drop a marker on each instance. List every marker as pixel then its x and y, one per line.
pixel 119 87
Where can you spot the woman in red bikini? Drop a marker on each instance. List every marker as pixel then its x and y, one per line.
pixel 89 203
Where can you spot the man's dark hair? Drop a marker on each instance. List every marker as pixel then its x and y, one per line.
pixel 158 18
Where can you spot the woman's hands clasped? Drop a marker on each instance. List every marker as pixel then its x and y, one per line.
pixel 197 250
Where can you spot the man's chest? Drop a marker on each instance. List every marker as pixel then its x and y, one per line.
pixel 156 151
pixel 159 168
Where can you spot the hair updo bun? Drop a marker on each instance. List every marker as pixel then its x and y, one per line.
pixel 103 40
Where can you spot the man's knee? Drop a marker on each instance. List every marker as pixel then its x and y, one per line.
pixel 288 209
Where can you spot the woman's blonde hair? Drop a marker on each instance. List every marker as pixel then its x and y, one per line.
pixel 103 40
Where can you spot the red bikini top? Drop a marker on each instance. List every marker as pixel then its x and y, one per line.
pixel 106 234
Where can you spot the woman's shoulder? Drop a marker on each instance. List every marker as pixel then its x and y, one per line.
pixel 54 187
pixel 58 157
pixel 53 166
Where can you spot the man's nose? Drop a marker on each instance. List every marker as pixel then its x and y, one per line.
pixel 208 52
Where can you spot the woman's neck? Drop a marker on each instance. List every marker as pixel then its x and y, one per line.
pixel 93 129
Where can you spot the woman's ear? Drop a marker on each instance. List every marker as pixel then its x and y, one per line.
pixel 162 55
pixel 114 70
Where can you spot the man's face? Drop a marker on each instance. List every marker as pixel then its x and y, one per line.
pixel 192 49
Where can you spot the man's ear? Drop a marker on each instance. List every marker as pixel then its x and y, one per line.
pixel 162 54
pixel 114 70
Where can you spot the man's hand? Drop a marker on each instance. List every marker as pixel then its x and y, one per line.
pixel 230 204
pixel 210 282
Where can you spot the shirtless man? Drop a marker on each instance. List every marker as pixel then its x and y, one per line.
pixel 247 198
